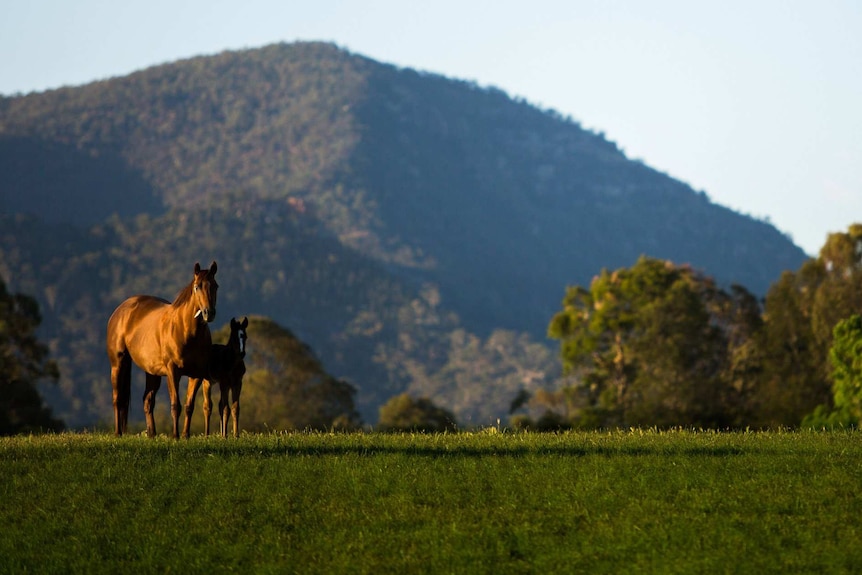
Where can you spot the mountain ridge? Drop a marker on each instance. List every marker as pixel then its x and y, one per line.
pixel 474 208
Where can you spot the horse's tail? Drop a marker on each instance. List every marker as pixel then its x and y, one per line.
pixel 124 383
pixel 121 378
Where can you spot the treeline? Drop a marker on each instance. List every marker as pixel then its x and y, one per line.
pixel 654 345
pixel 381 334
pixel 413 230
pixel 286 387
pixel 659 344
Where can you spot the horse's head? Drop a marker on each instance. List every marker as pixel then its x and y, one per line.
pixel 238 335
pixel 205 292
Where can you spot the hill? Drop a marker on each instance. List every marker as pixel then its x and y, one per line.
pixel 397 221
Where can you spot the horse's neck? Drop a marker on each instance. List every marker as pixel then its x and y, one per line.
pixel 184 313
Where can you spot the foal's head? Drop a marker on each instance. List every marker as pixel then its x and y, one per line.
pixel 205 292
pixel 238 336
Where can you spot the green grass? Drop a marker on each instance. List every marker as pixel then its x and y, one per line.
pixel 487 502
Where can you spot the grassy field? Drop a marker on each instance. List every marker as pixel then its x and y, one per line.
pixel 485 502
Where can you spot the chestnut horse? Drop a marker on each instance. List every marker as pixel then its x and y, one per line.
pixel 163 339
pixel 226 367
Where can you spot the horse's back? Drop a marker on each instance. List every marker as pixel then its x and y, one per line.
pixel 130 316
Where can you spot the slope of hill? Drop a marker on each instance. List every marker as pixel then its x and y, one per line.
pixel 372 209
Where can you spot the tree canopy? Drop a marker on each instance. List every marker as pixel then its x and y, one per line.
pixel 845 356
pixel 287 388
pixel 24 362
pixel 649 345
pixel 800 314
pixel 406 413
pixel 661 344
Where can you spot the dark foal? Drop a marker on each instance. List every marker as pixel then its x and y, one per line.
pixel 226 367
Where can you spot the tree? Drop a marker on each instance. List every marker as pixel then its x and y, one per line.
pixel 845 356
pixel 405 413
pixel 547 410
pixel 743 328
pixel 286 386
pixel 794 380
pixel 680 355
pixel 650 345
pixel 800 314
pixel 24 362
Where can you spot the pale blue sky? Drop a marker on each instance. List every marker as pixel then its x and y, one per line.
pixel 756 102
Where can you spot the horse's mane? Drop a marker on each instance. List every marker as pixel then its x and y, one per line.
pixel 184 295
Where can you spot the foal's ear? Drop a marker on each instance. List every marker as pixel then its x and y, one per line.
pixel 244 323
pixel 197 268
pixel 213 268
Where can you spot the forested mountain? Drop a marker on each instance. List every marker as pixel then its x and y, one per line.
pixel 417 231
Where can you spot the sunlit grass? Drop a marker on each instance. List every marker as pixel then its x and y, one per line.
pixel 483 502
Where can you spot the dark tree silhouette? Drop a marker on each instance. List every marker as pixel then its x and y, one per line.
pixel 23 363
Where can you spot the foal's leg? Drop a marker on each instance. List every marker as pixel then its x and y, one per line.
pixel 191 393
pixel 237 389
pixel 223 413
pixel 208 405
pixel 153 384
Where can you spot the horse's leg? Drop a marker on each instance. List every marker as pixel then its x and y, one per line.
pixel 224 390
pixel 191 393
pixel 124 396
pixel 153 384
pixel 174 391
pixel 121 381
pixel 237 389
pixel 208 406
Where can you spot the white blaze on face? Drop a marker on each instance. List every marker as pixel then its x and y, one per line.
pixel 242 338
pixel 201 311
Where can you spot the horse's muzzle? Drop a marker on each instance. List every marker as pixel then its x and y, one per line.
pixel 208 315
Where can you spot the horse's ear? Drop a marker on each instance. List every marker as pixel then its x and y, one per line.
pixel 233 323
pixel 197 268
pixel 213 268
pixel 244 323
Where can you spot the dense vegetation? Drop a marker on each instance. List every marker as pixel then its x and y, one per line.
pixel 621 502
pixel 660 344
pixel 415 231
pixel 24 362
pixel 369 323
pixel 285 387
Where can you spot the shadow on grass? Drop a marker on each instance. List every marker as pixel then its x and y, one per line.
pixel 301 445
pixel 465 451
